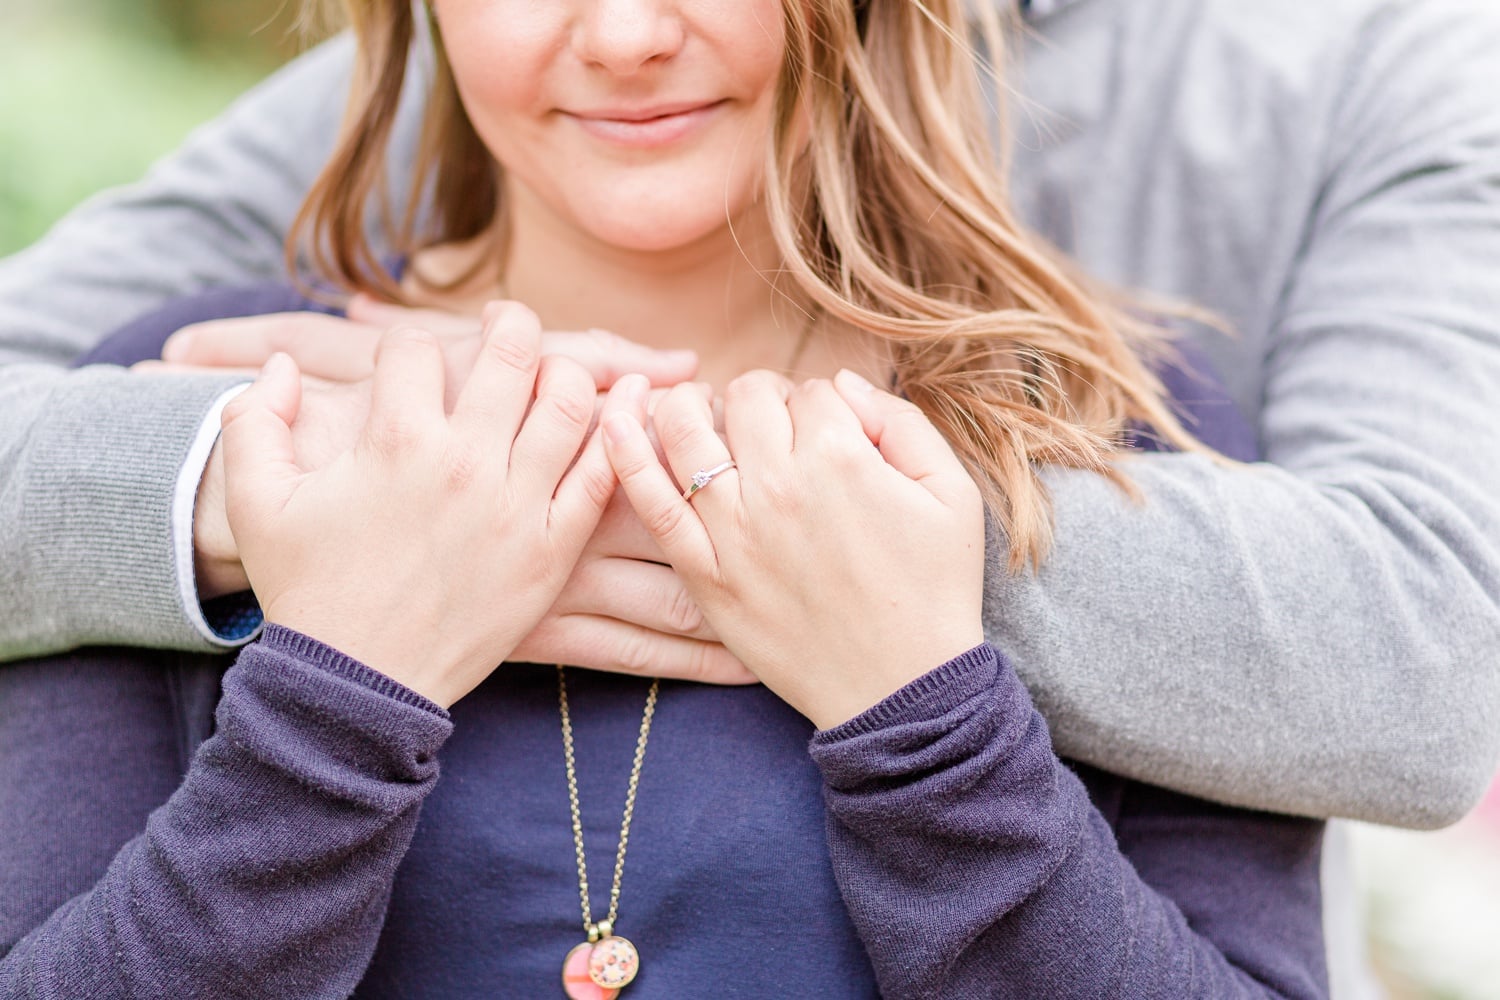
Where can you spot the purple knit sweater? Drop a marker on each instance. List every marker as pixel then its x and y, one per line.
pixel 932 847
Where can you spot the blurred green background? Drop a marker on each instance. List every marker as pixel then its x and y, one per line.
pixel 93 91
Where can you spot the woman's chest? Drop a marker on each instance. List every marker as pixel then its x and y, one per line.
pixel 726 887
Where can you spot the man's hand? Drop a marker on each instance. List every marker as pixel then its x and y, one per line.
pixel 624 610
pixel 343 350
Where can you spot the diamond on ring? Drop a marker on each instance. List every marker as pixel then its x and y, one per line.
pixel 703 477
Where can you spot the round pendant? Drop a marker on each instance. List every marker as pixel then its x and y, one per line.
pixel 613 963
pixel 577 983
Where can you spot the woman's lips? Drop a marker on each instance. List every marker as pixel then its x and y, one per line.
pixel 648 128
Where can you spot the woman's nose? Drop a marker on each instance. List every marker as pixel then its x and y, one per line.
pixel 627 36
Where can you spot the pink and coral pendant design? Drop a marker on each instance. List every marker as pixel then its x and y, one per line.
pixel 599 970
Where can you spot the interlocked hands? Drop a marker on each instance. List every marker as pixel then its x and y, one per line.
pixel 465 512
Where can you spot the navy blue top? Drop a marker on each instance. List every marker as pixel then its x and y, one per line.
pixel 934 846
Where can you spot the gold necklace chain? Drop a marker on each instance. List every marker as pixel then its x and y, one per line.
pixel 605 927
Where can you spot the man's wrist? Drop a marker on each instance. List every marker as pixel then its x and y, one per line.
pixel 208 564
pixel 216 563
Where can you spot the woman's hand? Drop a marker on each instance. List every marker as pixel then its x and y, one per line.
pixel 439 540
pixel 843 556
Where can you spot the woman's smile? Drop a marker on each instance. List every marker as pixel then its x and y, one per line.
pixel 647 127
pixel 636 124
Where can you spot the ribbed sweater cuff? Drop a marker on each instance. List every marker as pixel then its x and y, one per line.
pixel 280 639
pixel 97 502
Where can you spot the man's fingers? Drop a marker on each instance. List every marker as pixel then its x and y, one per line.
pixel 153 367
pixel 607 644
pixel 326 346
pixel 632 590
pixel 608 357
pixel 386 315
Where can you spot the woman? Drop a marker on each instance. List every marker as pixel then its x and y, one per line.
pixel 833 540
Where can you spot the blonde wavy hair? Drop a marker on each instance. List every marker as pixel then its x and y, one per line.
pixel 889 207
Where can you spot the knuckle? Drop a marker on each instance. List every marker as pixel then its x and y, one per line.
pixel 599 487
pixel 237 408
pixel 509 352
pixel 701 665
pixel 779 494
pixel 902 408
pixel 395 434
pixel 407 339
pixel 751 383
pixel 683 614
pixel 570 401
pixel 664 520
pixel 635 653
pixel 676 429
pixel 632 467
pixel 461 466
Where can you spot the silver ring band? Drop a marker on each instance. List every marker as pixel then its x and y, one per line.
pixel 703 477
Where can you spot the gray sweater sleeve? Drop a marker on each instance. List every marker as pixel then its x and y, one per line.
pixel 1318 634
pixel 89 459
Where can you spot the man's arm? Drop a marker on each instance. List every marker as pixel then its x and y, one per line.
pixel 1261 709
pixel 89 460
pixel 1318 634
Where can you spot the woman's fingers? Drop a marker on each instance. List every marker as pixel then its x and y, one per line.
pixel 499 389
pixel 556 427
pixel 585 491
pixel 260 462
pixel 823 423
pixel 906 438
pixel 406 391
pixel 697 457
pixel 656 498
pixel 755 418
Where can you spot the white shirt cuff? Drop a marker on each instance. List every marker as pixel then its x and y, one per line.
pixel 184 500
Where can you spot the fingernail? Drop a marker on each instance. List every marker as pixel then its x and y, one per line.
pixel 176 346
pixel 617 428
pixel 855 380
pixel 278 360
pixel 634 387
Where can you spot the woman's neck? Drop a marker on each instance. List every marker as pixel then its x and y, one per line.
pixel 717 296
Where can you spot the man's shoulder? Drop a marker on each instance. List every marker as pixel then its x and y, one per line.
pixel 1186 146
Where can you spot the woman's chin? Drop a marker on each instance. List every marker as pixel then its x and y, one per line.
pixel 655 233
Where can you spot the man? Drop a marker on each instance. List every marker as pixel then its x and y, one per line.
pixel 1327 179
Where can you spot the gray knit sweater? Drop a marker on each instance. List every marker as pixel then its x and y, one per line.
pixel 1326 176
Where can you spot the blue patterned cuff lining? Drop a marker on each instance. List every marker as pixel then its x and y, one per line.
pixel 233 617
